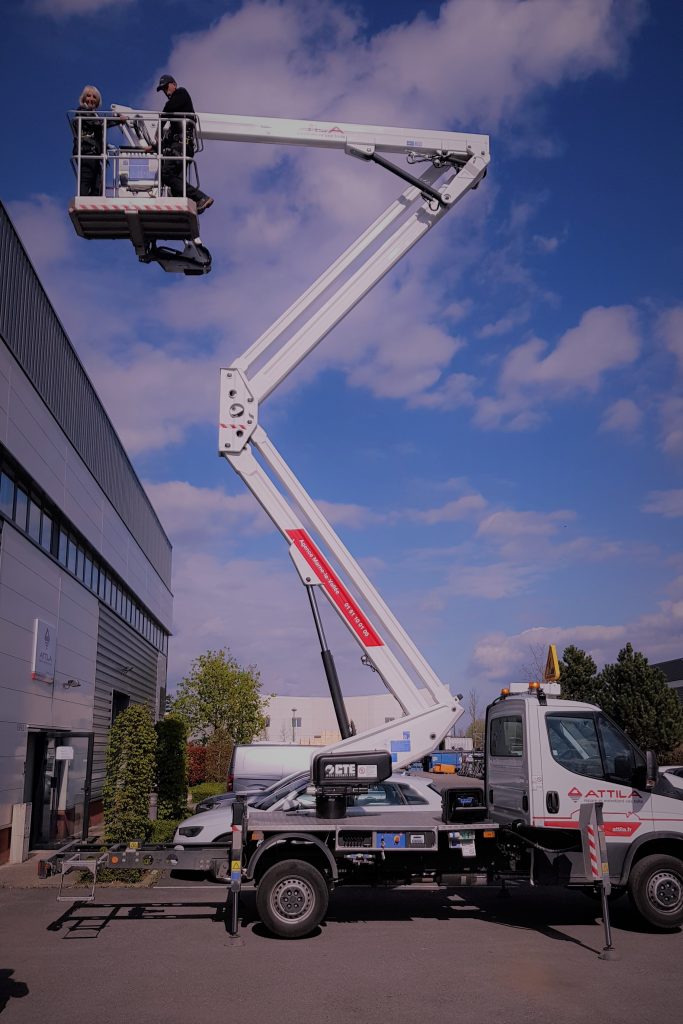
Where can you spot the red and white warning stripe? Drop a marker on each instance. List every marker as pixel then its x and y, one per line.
pixel 593 853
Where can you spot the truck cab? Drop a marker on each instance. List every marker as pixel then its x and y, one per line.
pixel 546 757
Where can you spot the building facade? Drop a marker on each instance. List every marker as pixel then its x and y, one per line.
pixel 312 719
pixel 85 571
pixel 673 670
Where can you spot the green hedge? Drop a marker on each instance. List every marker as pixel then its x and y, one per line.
pixel 163 831
pixel 130 771
pixel 205 789
pixel 171 769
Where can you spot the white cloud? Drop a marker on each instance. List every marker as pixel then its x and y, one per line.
pixel 509 523
pixel 200 514
pixel 670 329
pixel 65 8
pixel 506 323
pixel 498 657
pixel 460 508
pixel 623 416
pixel 671 419
pixel 665 503
pixel 546 244
pixel 604 340
pixel 350 515
pixel 155 396
pixel 44 230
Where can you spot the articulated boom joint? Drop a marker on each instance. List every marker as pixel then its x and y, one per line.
pixel 238 412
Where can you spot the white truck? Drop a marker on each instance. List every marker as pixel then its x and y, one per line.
pixel 567 798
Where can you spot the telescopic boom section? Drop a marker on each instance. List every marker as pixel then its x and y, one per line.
pixel 456 163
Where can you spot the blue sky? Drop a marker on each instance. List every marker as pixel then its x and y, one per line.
pixel 497 431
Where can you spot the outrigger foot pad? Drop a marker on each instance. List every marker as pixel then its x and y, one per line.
pixel 194 260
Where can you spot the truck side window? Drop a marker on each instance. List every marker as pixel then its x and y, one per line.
pixel 506 736
pixel 574 743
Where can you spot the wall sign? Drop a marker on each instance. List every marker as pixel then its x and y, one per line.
pixel 44 651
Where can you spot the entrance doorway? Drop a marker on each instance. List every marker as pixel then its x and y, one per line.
pixel 58 770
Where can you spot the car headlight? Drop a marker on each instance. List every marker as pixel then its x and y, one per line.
pixel 190 830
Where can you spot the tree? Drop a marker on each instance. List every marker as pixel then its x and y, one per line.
pixel 171 768
pixel 637 697
pixel 476 727
pixel 218 755
pixel 130 771
pixel 631 692
pixel 220 696
pixel 579 676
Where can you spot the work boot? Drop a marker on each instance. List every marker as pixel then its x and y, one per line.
pixel 204 204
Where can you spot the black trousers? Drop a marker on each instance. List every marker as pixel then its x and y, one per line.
pixel 91 177
pixel 172 176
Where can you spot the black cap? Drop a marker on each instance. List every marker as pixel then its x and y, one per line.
pixel 164 81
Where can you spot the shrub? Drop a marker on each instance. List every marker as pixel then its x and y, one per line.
pixel 171 768
pixel 130 771
pixel 205 789
pixel 196 763
pixel 163 831
pixel 218 754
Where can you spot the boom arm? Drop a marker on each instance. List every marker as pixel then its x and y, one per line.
pixel 457 164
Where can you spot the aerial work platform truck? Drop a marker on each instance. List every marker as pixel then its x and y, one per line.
pixel 567 798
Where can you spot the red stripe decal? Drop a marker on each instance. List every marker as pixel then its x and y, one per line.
pixel 335 588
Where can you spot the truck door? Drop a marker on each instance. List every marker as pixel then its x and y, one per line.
pixel 507 764
pixel 586 758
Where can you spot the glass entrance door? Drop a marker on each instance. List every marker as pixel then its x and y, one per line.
pixel 60 790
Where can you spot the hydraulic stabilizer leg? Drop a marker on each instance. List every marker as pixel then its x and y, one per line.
pixel 195 258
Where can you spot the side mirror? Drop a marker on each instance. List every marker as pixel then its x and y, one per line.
pixel 652 771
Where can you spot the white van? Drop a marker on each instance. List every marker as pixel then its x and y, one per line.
pixel 257 765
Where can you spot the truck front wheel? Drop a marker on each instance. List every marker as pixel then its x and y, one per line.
pixel 292 899
pixel 656 890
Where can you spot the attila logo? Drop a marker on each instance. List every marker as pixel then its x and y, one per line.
pixel 604 794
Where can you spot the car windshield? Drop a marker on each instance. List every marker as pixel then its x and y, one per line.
pixel 270 796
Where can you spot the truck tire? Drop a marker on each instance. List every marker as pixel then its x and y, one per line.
pixel 656 890
pixel 292 899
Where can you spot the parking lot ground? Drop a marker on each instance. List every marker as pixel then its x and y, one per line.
pixel 164 955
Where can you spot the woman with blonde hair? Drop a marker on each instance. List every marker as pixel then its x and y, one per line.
pixel 91 138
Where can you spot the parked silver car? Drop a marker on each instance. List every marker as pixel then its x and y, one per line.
pixel 214 826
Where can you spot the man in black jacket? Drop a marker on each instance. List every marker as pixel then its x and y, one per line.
pixel 179 102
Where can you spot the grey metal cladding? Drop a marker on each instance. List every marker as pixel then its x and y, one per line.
pixel 125 663
pixel 33 333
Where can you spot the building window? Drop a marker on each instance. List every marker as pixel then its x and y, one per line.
pixel 119 702
pixel 46 532
pixel 21 509
pixel 34 521
pixel 45 525
pixel 6 495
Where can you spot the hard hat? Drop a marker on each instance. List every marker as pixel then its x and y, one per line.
pixel 164 81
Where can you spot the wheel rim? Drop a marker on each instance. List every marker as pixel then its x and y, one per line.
pixel 292 899
pixel 665 892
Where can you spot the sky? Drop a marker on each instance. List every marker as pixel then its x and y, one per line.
pixel 496 431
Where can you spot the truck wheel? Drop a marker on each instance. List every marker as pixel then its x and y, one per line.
pixel 292 899
pixel 656 890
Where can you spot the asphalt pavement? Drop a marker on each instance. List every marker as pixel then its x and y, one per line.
pixel 165 955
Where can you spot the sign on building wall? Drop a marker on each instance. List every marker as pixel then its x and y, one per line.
pixel 44 651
